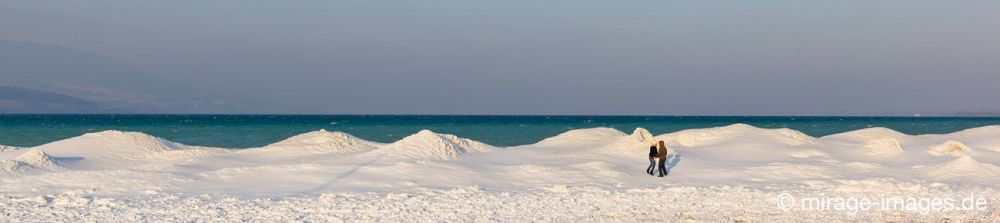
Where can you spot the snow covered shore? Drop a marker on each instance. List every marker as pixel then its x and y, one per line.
pixel 475 204
pixel 732 173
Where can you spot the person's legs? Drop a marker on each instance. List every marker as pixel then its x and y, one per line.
pixel 662 166
pixel 652 165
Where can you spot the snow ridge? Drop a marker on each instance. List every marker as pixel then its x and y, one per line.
pixel 737 132
pixel 29 160
pixel 951 147
pixel 324 141
pixel 582 136
pixel 965 166
pixel 638 141
pixel 883 147
pixel 642 135
pixel 114 139
pixel 429 145
pixel 867 134
pixel 111 148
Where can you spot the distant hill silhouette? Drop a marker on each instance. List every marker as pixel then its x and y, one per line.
pixel 96 78
pixel 23 100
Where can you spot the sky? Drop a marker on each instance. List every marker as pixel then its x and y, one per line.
pixel 579 57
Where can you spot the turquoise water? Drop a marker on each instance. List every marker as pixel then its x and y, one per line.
pixel 242 131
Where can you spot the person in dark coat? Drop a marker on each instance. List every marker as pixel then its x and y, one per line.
pixel 652 159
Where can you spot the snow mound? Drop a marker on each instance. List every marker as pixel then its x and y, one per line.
pixel 113 139
pixel 426 145
pixel 964 167
pixel 583 137
pixel 638 142
pixel 883 147
pixel 29 160
pixel 9 167
pixel 694 138
pixel 986 138
pixel 868 134
pixel 110 148
pixel 951 147
pixel 36 158
pixel 642 135
pixel 324 141
pixel 988 130
pixel 796 136
pixel 737 133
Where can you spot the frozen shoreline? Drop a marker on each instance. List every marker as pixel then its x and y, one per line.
pixel 588 174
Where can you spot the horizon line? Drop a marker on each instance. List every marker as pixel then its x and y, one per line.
pixel 511 115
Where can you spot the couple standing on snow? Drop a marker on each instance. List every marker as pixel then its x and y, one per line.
pixel 658 154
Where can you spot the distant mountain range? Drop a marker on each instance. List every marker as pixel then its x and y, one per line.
pixel 95 82
pixel 23 100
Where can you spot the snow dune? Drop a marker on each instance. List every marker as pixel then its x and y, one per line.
pixel 427 145
pixel 127 164
pixel 322 141
pixel 323 161
pixel 27 161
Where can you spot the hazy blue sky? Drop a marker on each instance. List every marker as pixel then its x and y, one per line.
pixel 887 57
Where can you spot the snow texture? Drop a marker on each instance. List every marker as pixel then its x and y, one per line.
pixel 728 173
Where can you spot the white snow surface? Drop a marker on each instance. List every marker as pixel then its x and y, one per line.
pixel 322 141
pixel 730 173
pixel 5 148
pixel 27 161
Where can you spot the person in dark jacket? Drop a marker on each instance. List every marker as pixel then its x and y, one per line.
pixel 652 159
pixel 661 154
